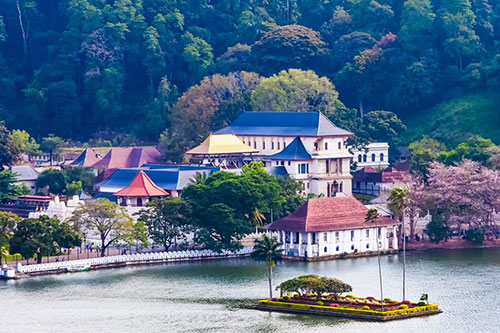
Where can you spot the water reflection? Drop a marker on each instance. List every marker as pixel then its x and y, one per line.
pixel 217 296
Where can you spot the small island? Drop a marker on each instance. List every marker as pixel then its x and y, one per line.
pixel 322 296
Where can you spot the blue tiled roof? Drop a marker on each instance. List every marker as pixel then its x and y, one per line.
pixel 278 171
pixel 106 195
pixel 283 124
pixel 168 177
pixel 294 151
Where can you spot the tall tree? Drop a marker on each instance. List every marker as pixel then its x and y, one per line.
pixel 167 220
pixel 417 22
pixel 8 223
pixel 107 220
pixel 268 249
pixel 52 144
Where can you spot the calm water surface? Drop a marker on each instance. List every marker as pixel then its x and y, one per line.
pixel 215 296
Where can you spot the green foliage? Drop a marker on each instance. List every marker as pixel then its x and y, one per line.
pixel 141 235
pixel 315 284
pixel 403 306
pixel 384 126
pixel 295 90
pixel 289 46
pixel 8 223
pixel 267 249
pixel 106 220
pixel 52 178
pixel 42 236
pixel 167 220
pixel 437 229
pixel 474 148
pixel 73 188
pixel 319 303
pixel 423 152
pixel 8 188
pixel 9 150
pixel 52 144
pixel 475 236
pixel 364 307
pixel 24 141
pixel 456 119
pixel 223 206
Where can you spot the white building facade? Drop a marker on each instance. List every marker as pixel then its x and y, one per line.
pixel 304 145
pixel 326 227
pixel 375 154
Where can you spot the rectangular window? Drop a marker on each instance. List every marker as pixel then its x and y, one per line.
pixel 327 166
pixel 325 237
pixel 263 144
pixel 255 144
pixel 340 166
pixel 315 146
pixel 282 162
pixel 314 238
pixel 337 234
pixel 326 145
pixel 298 168
pixel 302 168
pixel 284 144
pixel 272 145
pixel 367 233
pixel 307 185
pixel 289 163
pixel 278 145
pixel 379 232
pixel 307 167
pixel 340 145
pixel 352 235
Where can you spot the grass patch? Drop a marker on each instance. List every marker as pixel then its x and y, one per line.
pixel 453 121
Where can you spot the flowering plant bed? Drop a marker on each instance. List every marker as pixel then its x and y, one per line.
pixel 349 306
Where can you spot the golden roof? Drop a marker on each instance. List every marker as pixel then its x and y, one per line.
pixel 221 144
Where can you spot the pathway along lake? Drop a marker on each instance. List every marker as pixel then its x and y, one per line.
pixel 216 296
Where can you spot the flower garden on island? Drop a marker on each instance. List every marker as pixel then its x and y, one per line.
pixel 321 296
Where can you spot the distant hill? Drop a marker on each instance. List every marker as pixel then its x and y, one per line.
pixel 452 121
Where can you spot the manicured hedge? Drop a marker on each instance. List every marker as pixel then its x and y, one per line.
pixel 428 307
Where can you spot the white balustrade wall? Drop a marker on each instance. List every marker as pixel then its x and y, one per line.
pixel 132 258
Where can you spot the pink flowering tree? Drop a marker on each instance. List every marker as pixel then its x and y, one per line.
pixel 465 194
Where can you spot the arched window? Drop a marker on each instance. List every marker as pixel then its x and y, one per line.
pixel 381 156
pixel 373 157
pixel 325 249
pixel 337 248
pixel 364 158
pixel 359 158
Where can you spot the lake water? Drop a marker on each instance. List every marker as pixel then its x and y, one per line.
pixel 215 296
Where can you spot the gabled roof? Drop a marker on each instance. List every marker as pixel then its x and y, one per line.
pixel 328 214
pixel 283 124
pixel 128 157
pixel 168 177
pixel 24 172
pixel 221 144
pixel 295 151
pixel 87 158
pixel 141 186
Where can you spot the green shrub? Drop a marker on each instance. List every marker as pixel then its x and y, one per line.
pixel 403 306
pixel 320 303
pixel 350 296
pixel 421 303
pixel 366 307
pixel 387 300
pixel 296 295
pixel 280 299
pixel 285 297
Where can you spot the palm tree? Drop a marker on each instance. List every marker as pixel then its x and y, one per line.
pixel 372 217
pixel 398 204
pixel 199 178
pixel 268 249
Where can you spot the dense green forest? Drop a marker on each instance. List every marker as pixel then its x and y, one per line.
pixel 85 69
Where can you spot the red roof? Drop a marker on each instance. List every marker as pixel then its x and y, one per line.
pixel 87 158
pixel 328 214
pixel 141 186
pixel 118 158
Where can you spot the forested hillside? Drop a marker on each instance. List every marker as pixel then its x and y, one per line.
pixel 85 69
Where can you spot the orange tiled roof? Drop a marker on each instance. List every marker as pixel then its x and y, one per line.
pixel 141 186
pixel 328 214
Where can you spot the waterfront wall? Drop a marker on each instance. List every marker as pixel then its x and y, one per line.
pixel 131 259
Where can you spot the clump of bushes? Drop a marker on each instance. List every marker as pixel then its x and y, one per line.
pixel 319 303
pixel 403 306
pixel 421 303
pixel 366 307
pixel 296 295
pixel 286 297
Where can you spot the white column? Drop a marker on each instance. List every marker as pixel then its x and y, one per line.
pixel 300 245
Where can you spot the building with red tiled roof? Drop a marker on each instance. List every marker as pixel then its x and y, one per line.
pixel 329 226
pixel 129 157
pixel 87 158
pixel 139 192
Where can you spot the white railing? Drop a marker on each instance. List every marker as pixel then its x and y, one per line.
pixel 138 257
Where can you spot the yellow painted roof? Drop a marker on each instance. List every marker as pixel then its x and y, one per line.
pixel 221 144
